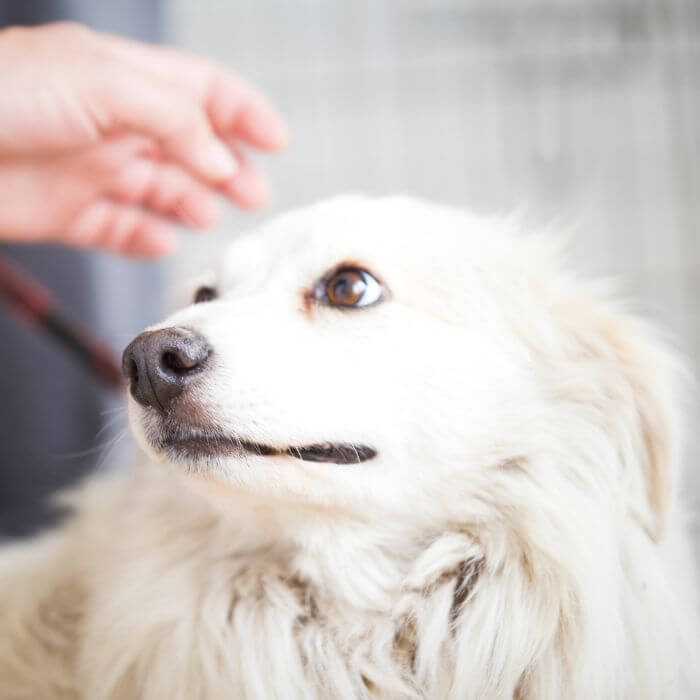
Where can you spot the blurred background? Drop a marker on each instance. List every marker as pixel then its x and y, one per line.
pixel 577 112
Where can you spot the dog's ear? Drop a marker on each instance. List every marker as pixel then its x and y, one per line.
pixel 639 377
pixel 651 371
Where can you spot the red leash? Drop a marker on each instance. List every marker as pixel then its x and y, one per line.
pixel 33 302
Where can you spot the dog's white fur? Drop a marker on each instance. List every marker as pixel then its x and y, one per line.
pixel 517 536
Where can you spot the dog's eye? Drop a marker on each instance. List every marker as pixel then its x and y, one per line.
pixel 204 294
pixel 350 287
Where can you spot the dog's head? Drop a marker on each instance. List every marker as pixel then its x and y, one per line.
pixel 394 357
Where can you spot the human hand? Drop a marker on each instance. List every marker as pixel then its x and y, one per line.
pixel 103 140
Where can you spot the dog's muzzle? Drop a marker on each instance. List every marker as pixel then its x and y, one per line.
pixel 160 365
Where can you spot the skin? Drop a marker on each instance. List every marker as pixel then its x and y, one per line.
pixel 106 143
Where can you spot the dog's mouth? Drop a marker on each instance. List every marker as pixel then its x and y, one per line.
pixel 195 447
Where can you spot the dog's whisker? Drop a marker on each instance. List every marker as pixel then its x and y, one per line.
pixel 95 450
pixel 114 409
pixel 114 420
pixel 111 447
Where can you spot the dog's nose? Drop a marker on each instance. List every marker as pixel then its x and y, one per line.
pixel 160 364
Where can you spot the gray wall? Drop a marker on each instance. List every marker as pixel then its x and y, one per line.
pixel 583 112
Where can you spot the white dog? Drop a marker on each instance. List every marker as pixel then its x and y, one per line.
pixel 399 454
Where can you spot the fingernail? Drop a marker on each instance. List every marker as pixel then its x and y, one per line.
pixel 218 161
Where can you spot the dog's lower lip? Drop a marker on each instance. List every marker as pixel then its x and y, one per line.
pixel 195 446
pixel 337 453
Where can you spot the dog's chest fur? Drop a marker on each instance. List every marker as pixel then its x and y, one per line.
pixel 178 601
pixel 228 612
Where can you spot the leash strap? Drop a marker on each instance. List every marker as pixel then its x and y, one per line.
pixel 36 305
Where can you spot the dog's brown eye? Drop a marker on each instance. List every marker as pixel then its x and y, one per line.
pixel 350 287
pixel 204 294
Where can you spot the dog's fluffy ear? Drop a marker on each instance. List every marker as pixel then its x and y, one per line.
pixel 638 376
pixel 651 371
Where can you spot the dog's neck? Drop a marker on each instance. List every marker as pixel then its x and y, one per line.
pixel 348 594
pixel 362 560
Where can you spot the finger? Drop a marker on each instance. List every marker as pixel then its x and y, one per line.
pixel 238 110
pixel 167 190
pixel 101 161
pixel 248 188
pixel 120 228
pixel 180 126
pixel 235 107
pixel 128 169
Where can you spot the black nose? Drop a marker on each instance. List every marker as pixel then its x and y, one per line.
pixel 160 364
